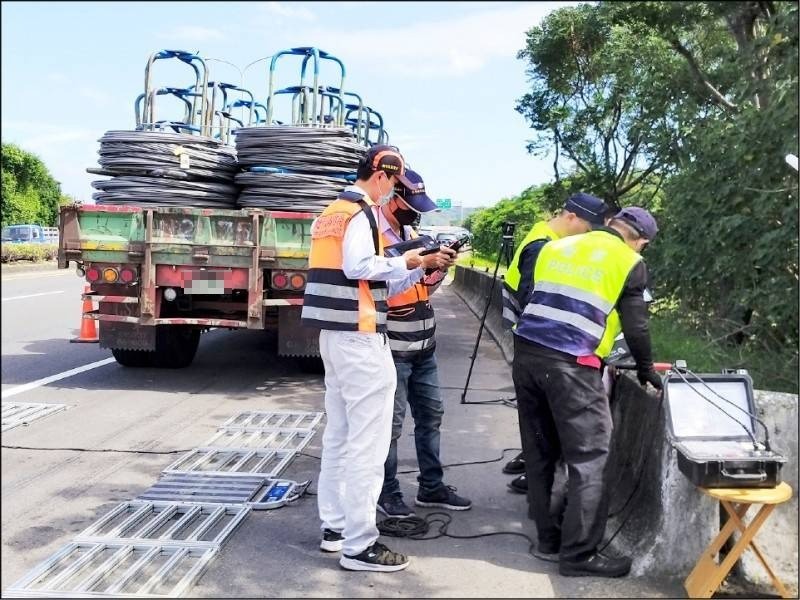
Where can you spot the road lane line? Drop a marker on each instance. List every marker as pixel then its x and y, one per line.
pixel 40 382
pixel 31 295
pixel 36 274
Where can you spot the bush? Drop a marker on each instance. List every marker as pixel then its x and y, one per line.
pixel 33 252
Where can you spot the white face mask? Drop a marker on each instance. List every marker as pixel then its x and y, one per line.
pixel 385 198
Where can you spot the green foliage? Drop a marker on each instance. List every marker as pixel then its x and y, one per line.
pixel 687 108
pixel 30 194
pixel 10 252
pixel 524 210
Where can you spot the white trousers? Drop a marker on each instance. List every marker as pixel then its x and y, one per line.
pixel 360 381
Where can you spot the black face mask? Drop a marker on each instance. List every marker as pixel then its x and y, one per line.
pixel 405 216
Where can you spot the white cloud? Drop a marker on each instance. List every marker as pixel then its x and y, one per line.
pixel 193 33
pixel 454 47
pixel 281 9
pixel 37 136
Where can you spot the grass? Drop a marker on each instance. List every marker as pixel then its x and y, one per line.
pixel 674 339
pixel 474 261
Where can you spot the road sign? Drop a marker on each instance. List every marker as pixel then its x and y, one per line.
pixel 444 203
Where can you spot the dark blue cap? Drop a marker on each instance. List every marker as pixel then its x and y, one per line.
pixel 587 207
pixel 412 190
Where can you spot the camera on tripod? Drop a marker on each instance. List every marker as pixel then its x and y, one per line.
pixel 508 230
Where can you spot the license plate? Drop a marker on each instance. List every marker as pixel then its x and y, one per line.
pixel 204 282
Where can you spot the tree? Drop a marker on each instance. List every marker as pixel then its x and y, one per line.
pixel 30 194
pixel 600 101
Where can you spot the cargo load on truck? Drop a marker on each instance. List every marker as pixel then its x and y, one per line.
pixel 203 220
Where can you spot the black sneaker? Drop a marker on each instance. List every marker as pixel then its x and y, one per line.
pixel 519 485
pixel 547 551
pixel 515 466
pixel 392 505
pixel 375 558
pixel 442 497
pixel 597 565
pixel 331 541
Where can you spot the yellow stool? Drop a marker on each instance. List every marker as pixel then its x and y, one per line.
pixel 707 575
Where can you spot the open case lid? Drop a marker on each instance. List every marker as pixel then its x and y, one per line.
pixel 691 410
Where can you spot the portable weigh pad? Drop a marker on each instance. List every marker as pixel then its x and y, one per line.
pixel 19 413
pixel 156 522
pixel 232 462
pixel 272 420
pixel 712 423
pixel 259 493
pixel 115 570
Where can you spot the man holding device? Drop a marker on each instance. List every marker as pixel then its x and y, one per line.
pixel 411 327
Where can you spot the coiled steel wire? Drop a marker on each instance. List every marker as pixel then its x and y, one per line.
pixel 294 167
pixel 162 168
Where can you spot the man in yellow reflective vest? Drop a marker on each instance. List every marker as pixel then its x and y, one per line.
pixel 411 328
pixel 581 211
pixel 349 281
pixel 586 289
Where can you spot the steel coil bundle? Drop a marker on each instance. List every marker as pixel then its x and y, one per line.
pixel 170 169
pixel 295 167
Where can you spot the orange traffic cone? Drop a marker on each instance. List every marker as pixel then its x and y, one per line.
pixel 88 328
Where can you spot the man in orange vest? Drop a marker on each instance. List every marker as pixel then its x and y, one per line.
pixel 411 327
pixel 349 281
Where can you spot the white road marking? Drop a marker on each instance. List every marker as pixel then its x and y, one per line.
pixel 32 295
pixel 37 274
pixel 40 382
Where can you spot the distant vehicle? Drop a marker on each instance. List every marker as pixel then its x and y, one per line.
pixel 29 233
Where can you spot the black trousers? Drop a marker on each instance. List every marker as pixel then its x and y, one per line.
pixel 564 413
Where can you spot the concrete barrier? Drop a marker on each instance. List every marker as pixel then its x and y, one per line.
pixel 664 521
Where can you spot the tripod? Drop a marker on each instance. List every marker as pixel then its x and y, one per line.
pixel 506 252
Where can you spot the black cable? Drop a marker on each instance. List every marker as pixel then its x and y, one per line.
pixel 722 410
pixel 749 414
pixel 639 479
pixel 418 528
pixel 99 450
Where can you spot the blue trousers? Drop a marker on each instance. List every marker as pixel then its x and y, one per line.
pixel 417 388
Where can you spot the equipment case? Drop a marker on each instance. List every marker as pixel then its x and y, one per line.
pixel 714 450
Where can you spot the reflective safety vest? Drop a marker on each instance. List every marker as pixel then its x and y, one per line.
pixel 577 283
pixel 331 300
pixel 410 325
pixel 511 308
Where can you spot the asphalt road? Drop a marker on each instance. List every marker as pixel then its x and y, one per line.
pixel 49 496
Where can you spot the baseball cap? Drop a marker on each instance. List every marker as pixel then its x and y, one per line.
pixel 587 207
pixel 413 192
pixel 388 159
pixel 641 220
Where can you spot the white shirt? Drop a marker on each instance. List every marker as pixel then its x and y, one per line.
pixel 359 260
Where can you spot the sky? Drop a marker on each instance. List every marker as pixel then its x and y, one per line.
pixel 444 76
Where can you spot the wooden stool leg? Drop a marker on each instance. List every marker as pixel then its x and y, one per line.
pixel 777 583
pixel 699 582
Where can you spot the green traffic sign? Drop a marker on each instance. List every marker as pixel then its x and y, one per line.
pixel 444 203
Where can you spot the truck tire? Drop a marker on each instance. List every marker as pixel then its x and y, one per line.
pixel 176 346
pixel 133 358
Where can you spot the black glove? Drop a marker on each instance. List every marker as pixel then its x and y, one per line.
pixel 651 377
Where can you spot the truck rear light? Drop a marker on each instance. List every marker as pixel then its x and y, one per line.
pixel 127 275
pixel 110 275
pixel 297 281
pixel 279 281
pixel 92 274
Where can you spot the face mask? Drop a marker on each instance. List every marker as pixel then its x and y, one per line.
pixel 385 198
pixel 405 216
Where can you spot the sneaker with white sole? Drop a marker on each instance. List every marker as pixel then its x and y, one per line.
pixel 331 541
pixel 392 505
pixel 376 557
pixel 442 497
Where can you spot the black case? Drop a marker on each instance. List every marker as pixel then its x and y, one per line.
pixel 714 451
